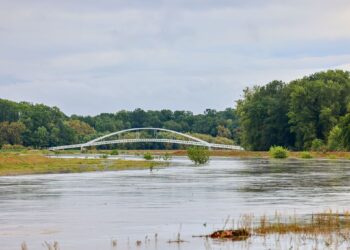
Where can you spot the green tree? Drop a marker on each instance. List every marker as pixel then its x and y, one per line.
pixel 263 117
pixel 11 132
pixel 345 131
pixel 41 137
pixel 81 129
pixel 316 104
pixel 9 111
pixel 223 132
pixel 172 125
pixel 335 141
pixel 317 145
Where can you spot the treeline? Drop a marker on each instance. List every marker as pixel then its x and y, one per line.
pixel 308 113
pixel 40 126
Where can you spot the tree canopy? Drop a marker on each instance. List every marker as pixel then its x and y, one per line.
pixel 295 114
pixel 39 126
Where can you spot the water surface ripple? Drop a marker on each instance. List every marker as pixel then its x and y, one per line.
pixel 88 210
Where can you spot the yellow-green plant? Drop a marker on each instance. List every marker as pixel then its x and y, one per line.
pixel 305 155
pixel 198 155
pixel 148 156
pixel 278 152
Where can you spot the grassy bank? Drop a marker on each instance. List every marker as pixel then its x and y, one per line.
pixel 37 163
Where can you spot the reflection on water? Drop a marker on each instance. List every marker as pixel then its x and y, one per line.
pixel 89 210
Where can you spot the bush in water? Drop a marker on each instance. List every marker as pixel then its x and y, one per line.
pixel 278 152
pixel 198 155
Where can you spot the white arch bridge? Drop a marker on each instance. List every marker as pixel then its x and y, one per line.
pixel 192 140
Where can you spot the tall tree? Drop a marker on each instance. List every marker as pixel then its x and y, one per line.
pixel 263 116
pixel 11 133
pixel 316 104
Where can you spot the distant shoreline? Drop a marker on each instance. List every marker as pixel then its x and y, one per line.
pixel 225 153
pixel 30 162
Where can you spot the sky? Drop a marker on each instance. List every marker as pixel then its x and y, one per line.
pixel 87 57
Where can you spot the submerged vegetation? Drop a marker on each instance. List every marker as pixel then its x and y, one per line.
pixel 199 155
pixel 148 156
pixel 278 152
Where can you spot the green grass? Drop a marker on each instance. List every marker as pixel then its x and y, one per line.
pixel 305 155
pixel 332 157
pixel 19 164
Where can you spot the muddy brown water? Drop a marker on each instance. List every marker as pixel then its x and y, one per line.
pixel 89 210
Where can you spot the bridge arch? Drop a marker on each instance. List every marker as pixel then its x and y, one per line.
pixel 154 129
pixel 193 140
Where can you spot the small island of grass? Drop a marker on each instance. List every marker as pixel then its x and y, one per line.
pixel 36 163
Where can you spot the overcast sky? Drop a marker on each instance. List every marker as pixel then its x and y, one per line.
pixel 88 57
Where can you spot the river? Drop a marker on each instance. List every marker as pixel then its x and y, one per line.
pixel 94 210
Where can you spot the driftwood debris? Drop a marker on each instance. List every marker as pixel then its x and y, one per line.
pixel 236 235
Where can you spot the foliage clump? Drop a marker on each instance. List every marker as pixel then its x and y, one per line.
pixel 148 156
pixel 198 155
pixel 278 152
pixel 318 145
pixel 167 157
pixel 115 152
pixel 9 147
pixel 305 155
pixel 335 139
pixel 104 156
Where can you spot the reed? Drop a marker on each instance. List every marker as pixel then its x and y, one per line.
pixel 331 228
pixel 322 223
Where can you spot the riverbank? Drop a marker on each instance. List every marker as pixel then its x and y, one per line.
pixel 223 153
pixel 37 163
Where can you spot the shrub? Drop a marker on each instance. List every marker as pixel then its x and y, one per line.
pixel 167 157
pixel 9 147
pixel 318 145
pixel 148 156
pixel 305 155
pixel 198 155
pixel 278 152
pixel 104 156
pixel 332 157
pixel 114 152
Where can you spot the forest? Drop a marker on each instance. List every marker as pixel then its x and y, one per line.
pixel 311 113
pixel 40 126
